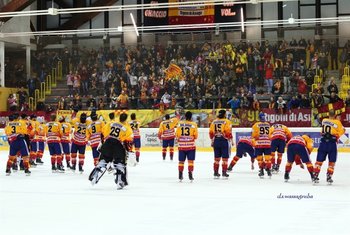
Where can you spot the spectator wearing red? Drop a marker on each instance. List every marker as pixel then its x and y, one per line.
pixel 268 67
pixel 302 86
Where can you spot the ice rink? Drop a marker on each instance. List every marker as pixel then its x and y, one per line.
pixel 155 203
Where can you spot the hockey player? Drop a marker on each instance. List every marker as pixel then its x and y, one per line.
pixel 245 145
pixel 16 131
pixel 135 126
pixel 260 133
pixel 94 135
pixel 279 135
pixel 299 147
pixel 53 132
pixel 39 140
pixel 166 134
pixel 66 128
pixel 332 130
pixel 33 144
pixel 186 134
pixel 118 142
pixel 220 134
pixel 79 141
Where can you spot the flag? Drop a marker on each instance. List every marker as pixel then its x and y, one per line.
pixel 338 107
pixel 173 71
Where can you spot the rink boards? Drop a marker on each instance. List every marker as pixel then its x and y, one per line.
pixel 150 141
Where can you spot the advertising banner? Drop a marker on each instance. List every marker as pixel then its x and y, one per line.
pixel 228 12
pixel 155 16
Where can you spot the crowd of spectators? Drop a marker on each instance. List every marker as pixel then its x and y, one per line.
pixel 235 75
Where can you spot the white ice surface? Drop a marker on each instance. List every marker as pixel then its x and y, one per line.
pixel 155 203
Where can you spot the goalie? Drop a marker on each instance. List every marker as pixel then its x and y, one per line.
pixel 114 151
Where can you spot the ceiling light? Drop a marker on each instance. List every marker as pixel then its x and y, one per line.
pixel 134 23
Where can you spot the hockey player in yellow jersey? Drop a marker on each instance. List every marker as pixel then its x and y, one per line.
pixel 220 133
pixel 15 132
pixel 118 143
pixel 135 126
pixel 40 139
pixel 260 132
pixel 94 135
pixel 79 141
pixel 33 144
pixel 332 130
pixel 53 132
pixel 186 135
pixel 166 134
pixel 66 140
pixel 279 135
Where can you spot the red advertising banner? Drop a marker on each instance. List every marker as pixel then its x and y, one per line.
pixel 4 116
pixel 294 118
pixel 346 118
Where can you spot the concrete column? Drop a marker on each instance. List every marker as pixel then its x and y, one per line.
pixel 2 64
pixel 28 69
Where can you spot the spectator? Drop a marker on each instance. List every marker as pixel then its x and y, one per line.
pixel 62 104
pixel 235 104
pixel 277 87
pixel 269 75
pixel 22 96
pixel 294 103
pixel 302 86
pixel 166 99
pixel 12 102
pixel 334 55
pixel 281 105
pixel 123 100
pixel 332 87
pixel 347 99
pixel 272 103
pixel 70 81
pixel 304 102
pixel 256 104
pixel 333 98
pixel 76 83
pixel 286 78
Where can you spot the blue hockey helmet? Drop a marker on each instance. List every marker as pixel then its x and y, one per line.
pixel 262 117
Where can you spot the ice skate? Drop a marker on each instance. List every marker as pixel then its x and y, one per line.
pixel 261 173
pixel 225 175
pixel 190 176
pixel 27 172
pixel 54 169
pixel 73 167
pixel 181 176
pixel 39 161
pixel 229 169
pixel 60 168
pixel 8 171
pixel 81 170
pixel 68 165
pixel 252 167
pixel 286 177
pixel 316 180
pixel 15 167
pixel 329 179
pixel 268 171
pixel 216 175
pixel 32 164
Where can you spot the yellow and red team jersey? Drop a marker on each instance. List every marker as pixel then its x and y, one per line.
pixel 220 128
pixel 117 130
pixel 94 133
pixel 66 132
pixel 40 135
pixel 33 125
pixel 14 129
pixel 304 140
pixel 80 131
pixel 260 133
pixel 53 132
pixel 279 131
pixel 333 127
pixel 247 140
pixel 167 129
pixel 135 126
pixel 186 134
